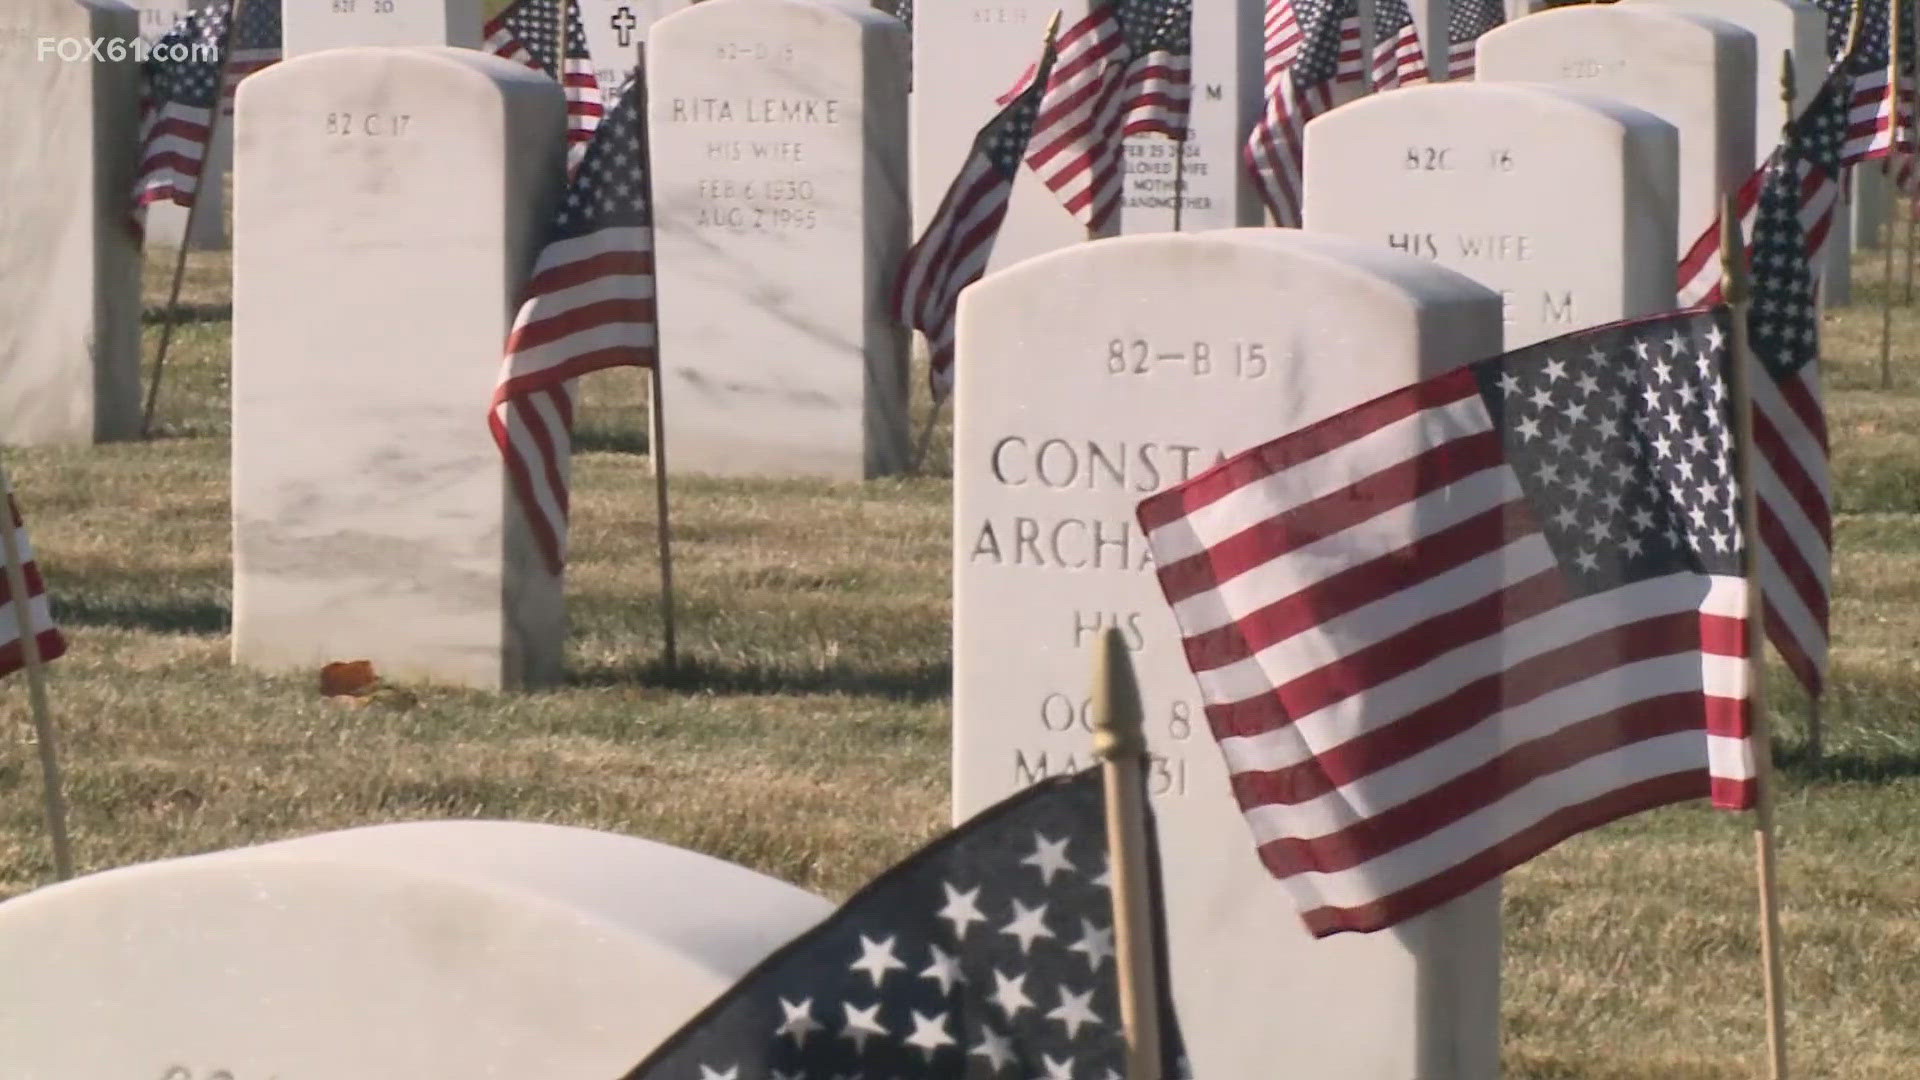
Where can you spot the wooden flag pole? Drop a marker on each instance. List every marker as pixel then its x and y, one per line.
pixel 1738 293
pixel 656 403
pixel 1121 746
pixel 172 317
pixel 925 441
pixel 1894 31
pixel 51 786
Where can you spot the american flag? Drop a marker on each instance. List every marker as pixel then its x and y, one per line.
pixel 1398 59
pixel 1813 141
pixel 1870 118
pixel 1312 47
pixel 954 251
pixel 1466 21
pixel 589 305
pixel 899 9
pixel 1123 69
pixel 176 109
pixel 523 33
pixel 1791 466
pixel 1444 630
pixel 988 953
pixel 39 617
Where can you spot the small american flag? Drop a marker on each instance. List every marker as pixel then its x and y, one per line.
pixel 1870 117
pixel 1122 69
pixel 523 33
pixel 39 617
pixel 176 110
pixel 954 251
pixel 589 305
pixel 988 953
pixel 1312 46
pixel 1466 21
pixel 1444 630
pixel 1398 59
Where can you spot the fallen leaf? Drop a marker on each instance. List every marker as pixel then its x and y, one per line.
pixel 348 677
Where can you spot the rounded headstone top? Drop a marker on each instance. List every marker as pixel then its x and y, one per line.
pixel 851 11
pixel 418 61
pixel 1557 102
pixel 1652 20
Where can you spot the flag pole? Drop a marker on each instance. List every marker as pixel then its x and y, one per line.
pixel 925 441
pixel 1738 294
pixel 656 399
pixel 51 786
pixel 1894 32
pixel 172 317
pixel 1122 748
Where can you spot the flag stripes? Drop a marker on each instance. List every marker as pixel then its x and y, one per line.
pixel 1074 150
pixel 39 613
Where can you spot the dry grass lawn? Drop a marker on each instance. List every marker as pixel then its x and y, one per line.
pixel 807 734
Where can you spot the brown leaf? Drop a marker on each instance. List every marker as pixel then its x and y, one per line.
pixel 348 677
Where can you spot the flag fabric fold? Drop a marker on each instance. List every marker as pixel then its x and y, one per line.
pixel 523 33
pixel 206 56
pixel 1442 631
pixel 953 252
pixel 1398 59
pixel 1312 53
pixel 988 953
pixel 589 305
pixel 1122 69
pixel 1466 21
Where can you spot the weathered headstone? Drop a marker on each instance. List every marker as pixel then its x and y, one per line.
pixel 1869 206
pixel 69 266
pixel 435 949
pixel 965 55
pixel 1088 378
pixel 1693 71
pixel 390 203
pixel 779 168
pixel 615 31
pixel 167 221
pixel 1213 185
pixel 313 25
pixel 1478 177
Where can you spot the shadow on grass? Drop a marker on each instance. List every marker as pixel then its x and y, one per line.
pixel 916 683
pixel 188 313
pixel 609 441
pixel 1847 767
pixel 200 617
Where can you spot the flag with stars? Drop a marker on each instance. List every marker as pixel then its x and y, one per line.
pixel 1811 146
pixel 1398 59
pixel 1444 630
pixel 987 954
pixel 1312 50
pixel 203 53
pixel 1466 21
pixel 1123 69
pixel 958 243
pixel 589 305
pixel 524 33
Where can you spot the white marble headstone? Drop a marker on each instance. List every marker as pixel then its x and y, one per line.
pixel 778 130
pixel 313 25
pixel 396 952
pixel 1216 193
pixel 615 31
pixel 1869 207
pixel 1479 177
pixel 1693 71
pixel 390 204
pixel 966 53
pixel 69 266
pixel 1087 379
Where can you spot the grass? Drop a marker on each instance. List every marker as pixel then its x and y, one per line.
pixel 807 734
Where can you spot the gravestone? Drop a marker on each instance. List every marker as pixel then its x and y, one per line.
pixel 390 203
pixel 313 25
pixel 1087 379
pixel 1869 206
pixel 1693 71
pixel 167 221
pixel 1206 170
pixel 1478 177
pixel 615 31
pixel 396 952
pixel 966 54
pixel 779 154
pixel 69 266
